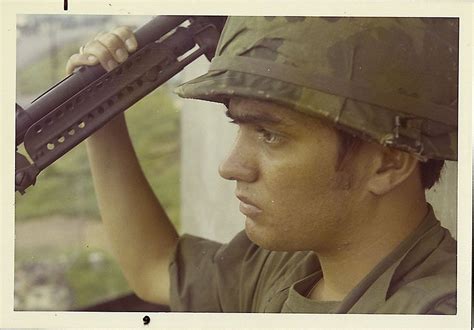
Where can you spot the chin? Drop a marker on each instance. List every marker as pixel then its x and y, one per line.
pixel 269 239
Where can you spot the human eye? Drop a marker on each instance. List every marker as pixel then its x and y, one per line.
pixel 269 137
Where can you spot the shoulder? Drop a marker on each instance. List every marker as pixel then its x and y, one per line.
pixel 429 295
pixel 426 279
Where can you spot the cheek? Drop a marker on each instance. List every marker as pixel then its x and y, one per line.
pixel 298 180
pixel 306 204
pixel 301 192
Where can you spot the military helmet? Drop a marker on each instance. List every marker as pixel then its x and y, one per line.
pixel 390 80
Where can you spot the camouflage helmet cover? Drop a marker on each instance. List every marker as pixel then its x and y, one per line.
pixel 390 80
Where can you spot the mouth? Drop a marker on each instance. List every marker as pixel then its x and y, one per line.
pixel 248 208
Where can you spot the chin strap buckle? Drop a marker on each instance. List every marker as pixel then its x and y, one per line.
pixel 407 136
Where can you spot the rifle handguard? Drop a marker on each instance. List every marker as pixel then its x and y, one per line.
pixel 60 129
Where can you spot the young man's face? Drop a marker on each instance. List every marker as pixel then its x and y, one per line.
pixel 284 165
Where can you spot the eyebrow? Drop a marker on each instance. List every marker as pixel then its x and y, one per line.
pixel 253 118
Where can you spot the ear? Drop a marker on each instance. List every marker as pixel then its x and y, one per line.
pixel 392 168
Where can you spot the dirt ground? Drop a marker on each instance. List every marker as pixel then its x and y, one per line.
pixel 59 233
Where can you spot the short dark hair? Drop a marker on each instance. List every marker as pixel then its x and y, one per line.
pixel 430 171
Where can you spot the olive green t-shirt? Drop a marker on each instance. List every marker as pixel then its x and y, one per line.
pixel 418 277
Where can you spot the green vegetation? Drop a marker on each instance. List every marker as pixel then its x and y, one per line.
pixel 95 276
pixel 40 75
pixel 91 274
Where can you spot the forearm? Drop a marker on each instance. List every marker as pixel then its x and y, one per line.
pixel 141 235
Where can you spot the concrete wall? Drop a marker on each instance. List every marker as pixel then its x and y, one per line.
pixel 443 197
pixel 208 204
pixel 209 207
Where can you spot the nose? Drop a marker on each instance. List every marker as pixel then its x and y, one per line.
pixel 240 164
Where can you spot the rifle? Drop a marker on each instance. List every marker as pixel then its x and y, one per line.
pixel 76 107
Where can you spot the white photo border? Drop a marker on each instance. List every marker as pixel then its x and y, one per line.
pixel 9 10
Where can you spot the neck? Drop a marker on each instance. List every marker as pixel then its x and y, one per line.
pixel 367 240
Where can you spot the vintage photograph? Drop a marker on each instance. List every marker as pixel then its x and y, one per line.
pixel 237 164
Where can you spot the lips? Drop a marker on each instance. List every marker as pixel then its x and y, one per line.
pixel 248 208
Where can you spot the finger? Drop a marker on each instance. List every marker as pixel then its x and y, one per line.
pixel 78 60
pixel 103 53
pixel 99 34
pixel 125 33
pixel 115 46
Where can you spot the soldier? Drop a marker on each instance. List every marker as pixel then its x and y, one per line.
pixel 343 125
